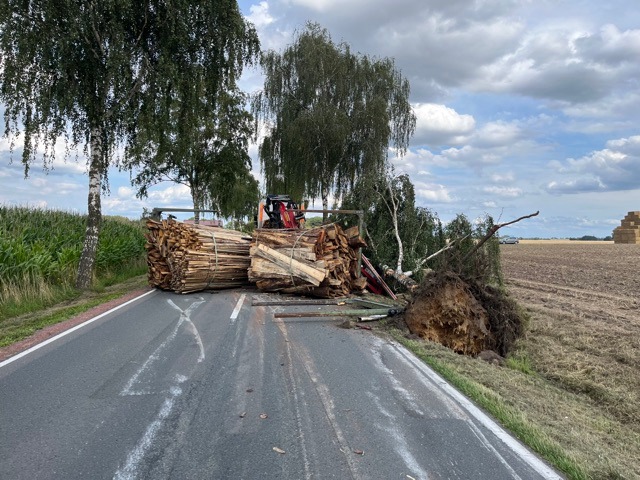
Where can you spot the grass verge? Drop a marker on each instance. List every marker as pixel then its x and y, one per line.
pixel 16 328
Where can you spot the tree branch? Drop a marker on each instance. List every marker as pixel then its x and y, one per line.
pixel 492 232
pixel 444 249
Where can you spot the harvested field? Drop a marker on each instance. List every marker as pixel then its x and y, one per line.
pixel 584 337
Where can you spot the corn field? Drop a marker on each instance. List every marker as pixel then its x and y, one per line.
pixel 41 248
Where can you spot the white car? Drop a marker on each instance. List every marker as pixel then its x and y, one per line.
pixel 511 240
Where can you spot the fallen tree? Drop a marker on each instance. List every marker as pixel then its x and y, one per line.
pixel 458 307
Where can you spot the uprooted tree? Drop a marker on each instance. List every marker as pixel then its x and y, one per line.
pixel 459 300
pixel 462 304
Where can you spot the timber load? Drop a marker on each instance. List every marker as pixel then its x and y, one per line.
pixel 321 262
pixel 190 258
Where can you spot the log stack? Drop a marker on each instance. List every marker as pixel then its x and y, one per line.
pixel 190 258
pixel 321 262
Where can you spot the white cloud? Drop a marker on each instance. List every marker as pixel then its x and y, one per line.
pixel 168 195
pixel 497 134
pixel 432 192
pixel 502 177
pixel 260 15
pixel 505 192
pixel 615 168
pixel 440 125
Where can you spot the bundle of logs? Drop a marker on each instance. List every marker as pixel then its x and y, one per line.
pixel 321 262
pixel 189 258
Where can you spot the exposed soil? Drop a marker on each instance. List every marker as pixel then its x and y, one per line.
pixel 444 310
pixel 584 302
pixel 463 315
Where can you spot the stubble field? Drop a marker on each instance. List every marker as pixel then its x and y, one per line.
pixel 583 300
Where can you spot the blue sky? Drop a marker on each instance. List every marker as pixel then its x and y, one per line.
pixel 522 105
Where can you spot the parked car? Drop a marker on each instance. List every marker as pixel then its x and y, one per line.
pixel 511 240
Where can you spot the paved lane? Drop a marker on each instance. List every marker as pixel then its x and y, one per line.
pixel 207 386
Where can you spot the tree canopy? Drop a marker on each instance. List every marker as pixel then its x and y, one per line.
pixel 214 164
pixel 102 74
pixel 331 116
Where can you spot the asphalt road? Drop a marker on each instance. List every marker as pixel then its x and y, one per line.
pixel 207 386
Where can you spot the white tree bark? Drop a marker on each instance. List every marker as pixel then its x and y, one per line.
pixel 392 206
pixel 94 217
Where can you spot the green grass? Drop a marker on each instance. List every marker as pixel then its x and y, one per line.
pixel 14 329
pixel 39 256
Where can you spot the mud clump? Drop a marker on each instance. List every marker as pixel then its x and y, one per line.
pixel 463 315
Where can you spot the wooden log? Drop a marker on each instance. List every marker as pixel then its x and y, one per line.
pixel 187 258
pixel 326 249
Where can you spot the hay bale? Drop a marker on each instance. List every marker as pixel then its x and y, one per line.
pixel 629 229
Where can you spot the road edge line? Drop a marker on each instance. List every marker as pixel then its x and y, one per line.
pixel 66 332
pixel 517 447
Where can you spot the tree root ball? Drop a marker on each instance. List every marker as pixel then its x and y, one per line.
pixel 463 315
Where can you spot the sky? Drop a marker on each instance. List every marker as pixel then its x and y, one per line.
pixel 521 105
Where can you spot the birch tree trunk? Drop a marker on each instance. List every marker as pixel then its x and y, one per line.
pixel 325 203
pixel 393 211
pixel 197 205
pixel 94 217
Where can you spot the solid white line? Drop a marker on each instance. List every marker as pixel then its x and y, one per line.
pixel 67 332
pixel 236 311
pixel 516 447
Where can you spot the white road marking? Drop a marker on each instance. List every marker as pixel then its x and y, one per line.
pixel 325 398
pixel 184 317
pixel 403 393
pixel 129 470
pixel 71 330
pixel 400 444
pixel 516 447
pixel 236 311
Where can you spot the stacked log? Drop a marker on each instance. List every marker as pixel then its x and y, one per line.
pixel 190 258
pixel 629 230
pixel 321 262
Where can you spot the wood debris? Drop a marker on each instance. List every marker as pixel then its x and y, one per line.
pixel 190 258
pixel 321 261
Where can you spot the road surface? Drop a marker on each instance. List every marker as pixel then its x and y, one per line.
pixel 207 386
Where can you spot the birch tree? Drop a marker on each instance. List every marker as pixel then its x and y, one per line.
pixel 211 157
pixel 331 116
pixel 102 74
